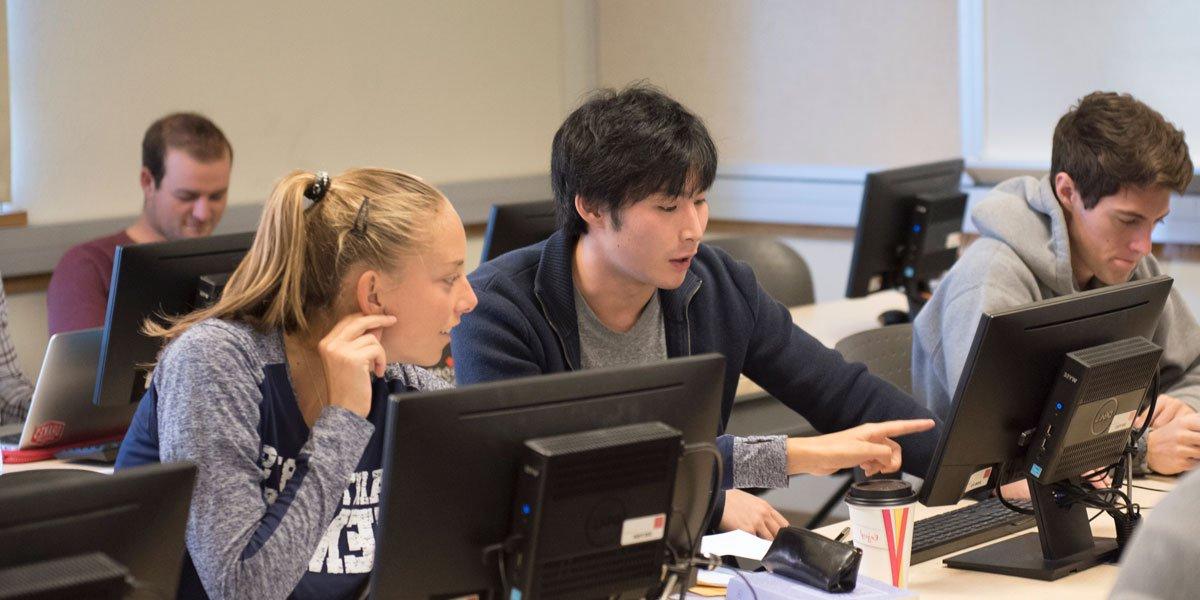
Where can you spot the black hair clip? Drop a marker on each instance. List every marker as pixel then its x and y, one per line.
pixel 360 220
pixel 316 190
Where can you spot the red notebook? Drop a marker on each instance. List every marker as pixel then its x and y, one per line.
pixel 15 456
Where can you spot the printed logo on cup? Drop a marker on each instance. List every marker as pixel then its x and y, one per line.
pixel 869 536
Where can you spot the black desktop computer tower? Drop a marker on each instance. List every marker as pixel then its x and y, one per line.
pixel 590 512
pixel 1086 423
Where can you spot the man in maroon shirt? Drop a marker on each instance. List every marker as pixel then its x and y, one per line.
pixel 186 161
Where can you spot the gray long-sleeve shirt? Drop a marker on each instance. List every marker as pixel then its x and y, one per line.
pixel 278 509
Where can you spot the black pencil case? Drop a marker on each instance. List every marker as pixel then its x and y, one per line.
pixel 813 559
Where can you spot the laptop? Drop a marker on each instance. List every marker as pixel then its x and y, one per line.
pixel 61 413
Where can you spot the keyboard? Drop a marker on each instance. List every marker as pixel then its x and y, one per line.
pixel 954 530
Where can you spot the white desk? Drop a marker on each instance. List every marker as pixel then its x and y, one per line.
pixel 54 464
pixel 934 580
pixel 829 322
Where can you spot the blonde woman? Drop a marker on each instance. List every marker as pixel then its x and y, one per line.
pixel 278 391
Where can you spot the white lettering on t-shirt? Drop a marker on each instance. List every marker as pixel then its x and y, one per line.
pixel 352 526
pixel 354 523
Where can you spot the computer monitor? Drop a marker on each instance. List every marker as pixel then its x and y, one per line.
pixel 909 230
pixel 451 457
pixel 136 517
pixel 153 280
pixel 512 226
pixel 1015 359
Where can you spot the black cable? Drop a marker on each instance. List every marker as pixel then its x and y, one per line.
pixel 1010 505
pixel 1152 392
pixel 694 541
pixel 1100 498
pixel 1098 474
pixel 1125 525
pixel 690 541
pixel 1126 473
pixel 1114 501
pixel 716 487
pixel 1111 491
pixel 1150 489
pixel 710 562
pixel 753 594
pixel 499 549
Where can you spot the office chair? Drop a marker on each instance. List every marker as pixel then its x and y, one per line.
pixel 780 270
pixel 512 226
pixel 887 353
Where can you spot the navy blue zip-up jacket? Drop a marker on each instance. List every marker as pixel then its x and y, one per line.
pixel 525 324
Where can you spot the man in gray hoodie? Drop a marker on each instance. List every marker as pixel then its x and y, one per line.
pixel 1114 164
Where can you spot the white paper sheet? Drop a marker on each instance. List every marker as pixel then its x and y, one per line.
pixel 735 543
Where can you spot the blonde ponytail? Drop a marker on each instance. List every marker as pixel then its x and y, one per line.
pixel 301 252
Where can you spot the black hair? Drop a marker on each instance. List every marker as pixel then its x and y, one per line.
pixel 621 146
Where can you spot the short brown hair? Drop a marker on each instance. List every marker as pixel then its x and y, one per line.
pixel 193 133
pixel 1109 141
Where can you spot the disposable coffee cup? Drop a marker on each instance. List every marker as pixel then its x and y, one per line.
pixel 881 520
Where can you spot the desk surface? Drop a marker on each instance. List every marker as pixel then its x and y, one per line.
pixel 932 579
pixel 829 322
pixel 54 464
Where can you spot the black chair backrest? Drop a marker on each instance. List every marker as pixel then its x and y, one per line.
pixel 512 226
pixel 779 269
pixel 887 352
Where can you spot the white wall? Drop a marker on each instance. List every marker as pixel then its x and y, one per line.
pixel 803 97
pixel 27 327
pixel 798 82
pixel 1043 56
pixel 452 91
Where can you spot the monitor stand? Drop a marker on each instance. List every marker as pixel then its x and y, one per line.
pixel 1062 545
pixel 917 293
